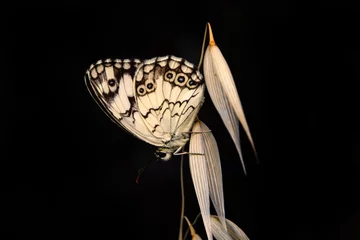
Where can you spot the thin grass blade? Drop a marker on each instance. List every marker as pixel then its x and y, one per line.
pixel 212 157
pixel 221 103
pixel 199 174
pixel 223 73
pixel 218 230
pixel 233 231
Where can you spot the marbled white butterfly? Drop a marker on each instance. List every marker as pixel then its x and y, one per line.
pixel 156 100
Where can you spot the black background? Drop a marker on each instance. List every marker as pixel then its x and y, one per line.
pixel 69 172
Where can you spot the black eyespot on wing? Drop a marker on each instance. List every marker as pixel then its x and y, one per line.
pixel 112 82
pixel 181 79
pixel 169 75
pixel 150 85
pixel 192 84
pixel 141 90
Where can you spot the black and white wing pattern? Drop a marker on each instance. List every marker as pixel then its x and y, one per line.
pixel 169 92
pixel 111 84
pixel 157 100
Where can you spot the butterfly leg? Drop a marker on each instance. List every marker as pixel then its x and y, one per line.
pixel 186 134
pixel 197 132
pixel 177 152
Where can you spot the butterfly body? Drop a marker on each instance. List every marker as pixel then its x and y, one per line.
pixel 156 100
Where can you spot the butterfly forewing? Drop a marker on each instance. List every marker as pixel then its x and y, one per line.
pixel 111 83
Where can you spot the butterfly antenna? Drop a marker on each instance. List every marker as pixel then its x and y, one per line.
pixel 141 170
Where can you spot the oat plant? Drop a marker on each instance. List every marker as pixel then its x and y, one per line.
pixel 157 100
pixel 206 169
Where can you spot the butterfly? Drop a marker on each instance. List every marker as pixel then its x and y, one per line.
pixel 157 100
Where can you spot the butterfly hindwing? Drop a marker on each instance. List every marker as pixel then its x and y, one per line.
pixel 111 83
pixel 168 93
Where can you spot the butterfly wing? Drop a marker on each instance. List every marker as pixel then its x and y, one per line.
pixel 110 83
pixel 169 92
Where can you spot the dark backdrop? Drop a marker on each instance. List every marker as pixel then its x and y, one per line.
pixel 69 172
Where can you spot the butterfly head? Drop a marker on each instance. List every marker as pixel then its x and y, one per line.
pixel 163 153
